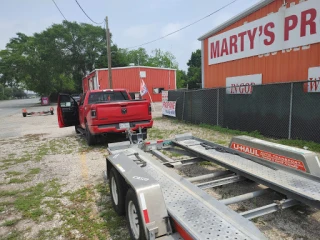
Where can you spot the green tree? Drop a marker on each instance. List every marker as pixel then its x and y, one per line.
pixel 182 79
pixel 194 70
pixel 162 59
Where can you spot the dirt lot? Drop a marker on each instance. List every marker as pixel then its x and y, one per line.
pixel 51 185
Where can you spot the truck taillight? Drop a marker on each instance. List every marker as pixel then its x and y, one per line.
pixel 93 113
pixel 150 109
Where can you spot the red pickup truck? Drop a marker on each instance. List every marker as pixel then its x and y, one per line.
pixel 104 111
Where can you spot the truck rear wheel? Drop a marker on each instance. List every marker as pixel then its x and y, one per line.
pixel 76 129
pixel 117 191
pixel 91 139
pixel 134 217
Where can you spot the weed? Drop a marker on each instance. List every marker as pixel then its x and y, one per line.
pixel 30 204
pixel 13 173
pixel 8 193
pixel 115 224
pixel 1 208
pixel 313 146
pixel 34 171
pixel 9 223
pixel 14 235
pixel 206 163
pixel 17 180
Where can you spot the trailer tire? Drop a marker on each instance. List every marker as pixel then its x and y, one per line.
pixel 134 218
pixel 91 139
pixel 117 191
pixel 24 114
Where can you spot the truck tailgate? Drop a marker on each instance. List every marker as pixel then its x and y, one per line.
pixel 126 111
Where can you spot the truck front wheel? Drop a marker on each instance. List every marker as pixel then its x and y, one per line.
pixel 91 139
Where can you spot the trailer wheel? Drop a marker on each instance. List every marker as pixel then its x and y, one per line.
pixel 91 139
pixel 134 217
pixel 118 192
pixel 24 114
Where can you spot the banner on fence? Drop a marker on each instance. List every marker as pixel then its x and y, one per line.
pixel 242 84
pixel 314 78
pixel 164 96
pixel 169 108
pixel 290 27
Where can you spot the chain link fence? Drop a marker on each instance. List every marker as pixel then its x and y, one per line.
pixel 285 110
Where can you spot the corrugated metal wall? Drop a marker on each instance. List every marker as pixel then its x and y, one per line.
pixel 282 67
pixel 129 79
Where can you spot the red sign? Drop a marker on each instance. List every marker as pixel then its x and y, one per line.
pixel 272 157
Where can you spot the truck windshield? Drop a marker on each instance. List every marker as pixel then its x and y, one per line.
pixel 101 97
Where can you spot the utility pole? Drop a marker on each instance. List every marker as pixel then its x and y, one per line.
pixel 109 53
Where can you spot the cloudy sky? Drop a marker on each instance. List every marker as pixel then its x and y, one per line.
pixel 131 22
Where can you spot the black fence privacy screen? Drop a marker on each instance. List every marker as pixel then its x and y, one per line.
pixel 286 110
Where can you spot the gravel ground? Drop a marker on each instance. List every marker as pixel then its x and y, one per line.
pixel 51 184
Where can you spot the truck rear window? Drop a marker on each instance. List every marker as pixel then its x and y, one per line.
pixel 102 97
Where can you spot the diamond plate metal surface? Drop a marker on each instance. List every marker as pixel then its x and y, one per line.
pixel 308 188
pixel 203 221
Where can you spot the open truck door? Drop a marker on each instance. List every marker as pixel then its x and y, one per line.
pixel 68 112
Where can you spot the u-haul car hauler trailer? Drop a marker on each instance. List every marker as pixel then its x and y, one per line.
pixel 42 113
pixel 160 204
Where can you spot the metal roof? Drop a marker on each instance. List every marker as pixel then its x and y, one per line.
pixel 238 17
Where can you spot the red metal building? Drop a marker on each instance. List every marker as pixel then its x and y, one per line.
pixel 156 80
pixel 273 41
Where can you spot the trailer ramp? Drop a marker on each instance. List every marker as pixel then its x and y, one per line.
pixel 296 185
pixel 191 208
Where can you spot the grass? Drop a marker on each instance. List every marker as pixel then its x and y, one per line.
pixel 34 171
pixel 312 146
pixel 9 223
pixel 14 235
pixel 8 193
pixel 17 180
pixel 13 173
pixel 29 203
pixel 116 225
pixel 206 163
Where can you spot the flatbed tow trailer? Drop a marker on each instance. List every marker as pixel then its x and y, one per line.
pixel 160 204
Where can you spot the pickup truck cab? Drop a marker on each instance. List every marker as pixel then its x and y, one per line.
pixel 101 112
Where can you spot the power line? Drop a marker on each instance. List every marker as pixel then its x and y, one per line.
pixel 87 14
pixel 184 26
pixel 59 10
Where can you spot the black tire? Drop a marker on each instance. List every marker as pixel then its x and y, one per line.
pixel 91 139
pixel 121 190
pixel 24 114
pixel 145 133
pixel 76 129
pixel 51 112
pixel 132 198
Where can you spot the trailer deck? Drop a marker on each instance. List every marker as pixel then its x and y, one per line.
pixel 299 186
pixel 202 216
pixel 193 212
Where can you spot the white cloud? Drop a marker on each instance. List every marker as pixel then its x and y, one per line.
pixel 169 28
pixel 139 31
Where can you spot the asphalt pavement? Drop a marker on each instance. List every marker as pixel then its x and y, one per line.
pixel 10 107
pixel 13 124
